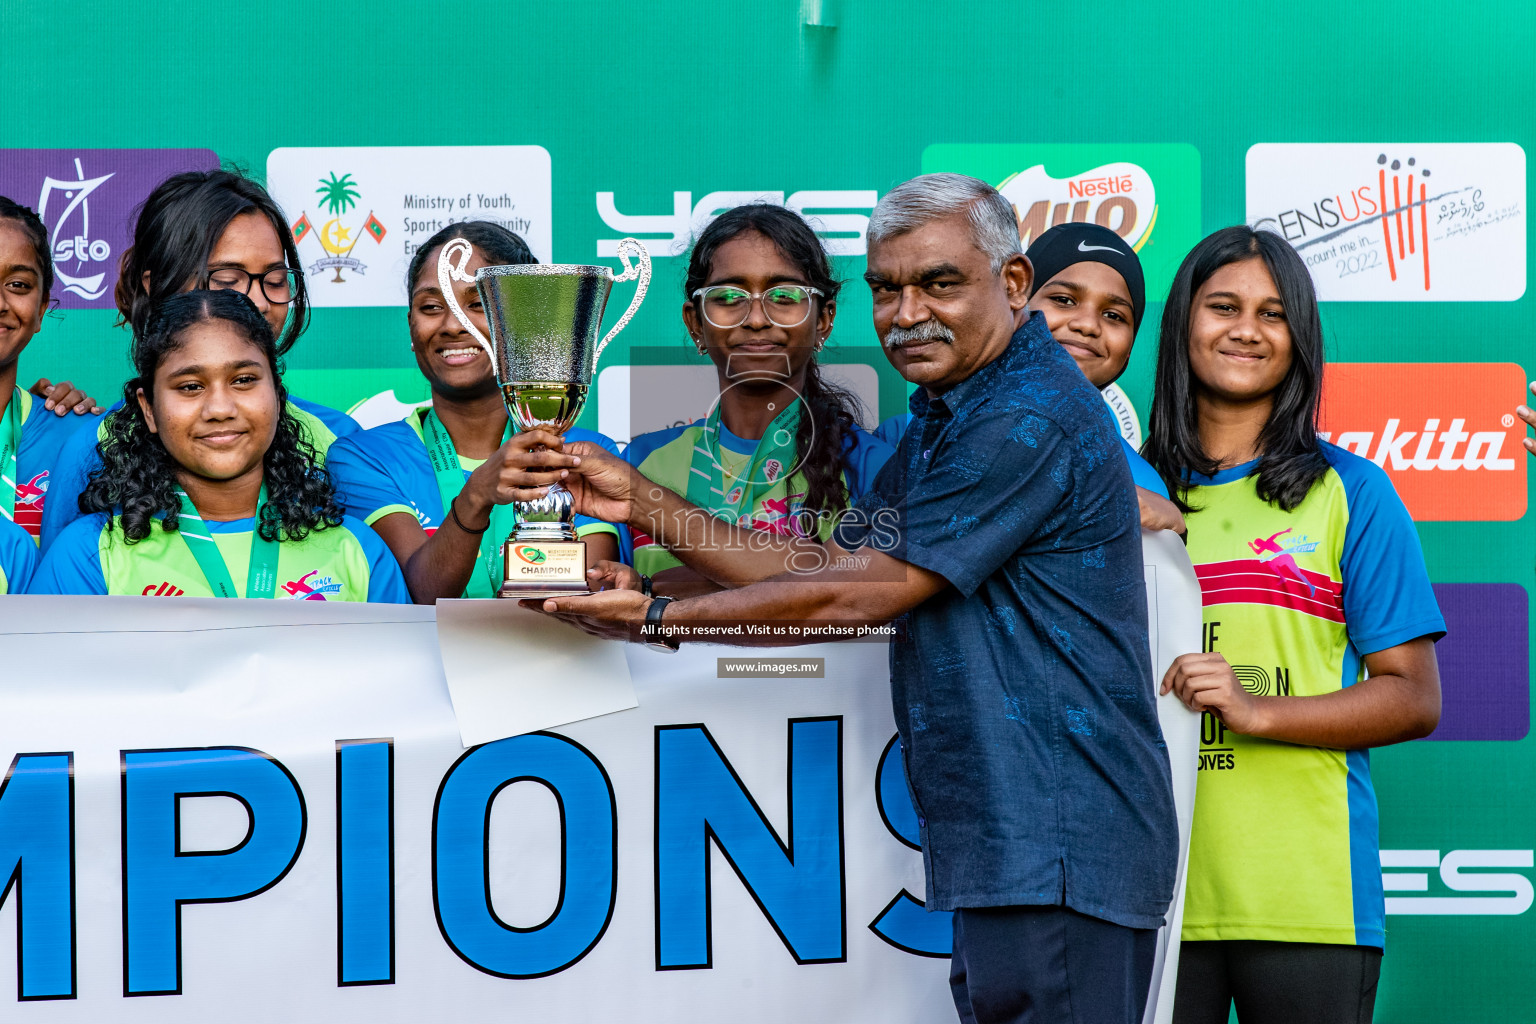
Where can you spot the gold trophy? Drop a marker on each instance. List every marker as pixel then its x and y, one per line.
pixel 545 320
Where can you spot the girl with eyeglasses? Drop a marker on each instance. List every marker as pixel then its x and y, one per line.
pixel 31 435
pixel 781 449
pixel 215 230
pixel 438 485
pixel 1320 627
pixel 209 485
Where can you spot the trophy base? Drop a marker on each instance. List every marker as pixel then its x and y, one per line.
pixel 543 568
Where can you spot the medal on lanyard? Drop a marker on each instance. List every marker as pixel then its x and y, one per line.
pixel 261 574
pixel 450 481
pixel 10 445
pixel 706 474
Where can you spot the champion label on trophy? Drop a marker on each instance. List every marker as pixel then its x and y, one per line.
pixel 545 321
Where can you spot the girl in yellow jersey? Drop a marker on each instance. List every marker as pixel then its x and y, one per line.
pixel 217 230
pixel 208 486
pixel 1320 626
pixel 780 449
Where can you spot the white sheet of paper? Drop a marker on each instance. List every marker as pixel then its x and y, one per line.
pixel 1173 626
pixel 512 671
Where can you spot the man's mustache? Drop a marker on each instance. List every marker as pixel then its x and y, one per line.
pixel 928 330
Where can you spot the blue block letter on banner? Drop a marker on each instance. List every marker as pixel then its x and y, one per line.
pixel 798 885
pixel 365 862
pixel 37 850
pixel 904 923
pixel 158 877
pixel 461 888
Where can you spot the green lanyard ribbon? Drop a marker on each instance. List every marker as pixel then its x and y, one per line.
pixel 261 574
pixel 450 481
pixel 10 445
pixel 707 486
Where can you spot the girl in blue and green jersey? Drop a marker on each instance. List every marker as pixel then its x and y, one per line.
pixel 31 434
pixel 1320 626
pixel 216 230
pixel 438 486
pixel 780 449
pixel 208 485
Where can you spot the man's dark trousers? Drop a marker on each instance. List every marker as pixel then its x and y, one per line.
pixel 1048 965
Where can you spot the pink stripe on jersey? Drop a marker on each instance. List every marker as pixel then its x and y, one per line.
pixel 1275 582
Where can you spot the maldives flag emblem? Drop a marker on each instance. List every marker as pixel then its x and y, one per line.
pixel 374 227
pixel 301 229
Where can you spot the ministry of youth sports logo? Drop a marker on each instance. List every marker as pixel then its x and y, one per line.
pixel 338 233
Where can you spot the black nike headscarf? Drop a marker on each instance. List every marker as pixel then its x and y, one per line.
pixel 1066 244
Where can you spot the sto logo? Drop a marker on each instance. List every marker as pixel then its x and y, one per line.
pixel 312 587
pixel 1282 563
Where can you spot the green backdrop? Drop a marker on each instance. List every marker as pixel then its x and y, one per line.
pixel 644 99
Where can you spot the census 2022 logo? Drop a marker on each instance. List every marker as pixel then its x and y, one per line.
pixel 1442 431
pixel 840 217
pixel 1148 194
pixel 1397 222
pixel 86 198
pixel 359 213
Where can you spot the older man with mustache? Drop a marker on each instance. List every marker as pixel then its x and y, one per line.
pixel 1004 535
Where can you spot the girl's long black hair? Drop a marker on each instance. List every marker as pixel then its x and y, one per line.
pixel 834 412
pixel 137 476
pixel 498 244
pixel 1290 458
pixel 176 229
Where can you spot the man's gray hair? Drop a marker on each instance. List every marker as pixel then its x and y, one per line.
pixel 930 197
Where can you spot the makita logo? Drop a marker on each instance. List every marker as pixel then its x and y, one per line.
pixel 166 589
pixel 1420 421
pixel 1457 449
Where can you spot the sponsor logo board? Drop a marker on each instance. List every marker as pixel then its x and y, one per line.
pixel 840 217
pixel 1472 875
pixel 1485 661
pixel 86 199
pixel 637 399
pixel 1148 194
pixel 1397 222
pixel 1444 433
pixel 359 214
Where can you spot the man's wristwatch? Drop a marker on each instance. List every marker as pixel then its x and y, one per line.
pixel 655 637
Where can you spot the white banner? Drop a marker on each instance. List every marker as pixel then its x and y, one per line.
pixel 261 811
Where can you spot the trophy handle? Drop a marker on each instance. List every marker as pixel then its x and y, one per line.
pixel 448 272
pixel 627 247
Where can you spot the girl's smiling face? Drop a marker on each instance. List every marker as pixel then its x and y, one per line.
pixel 1239 338
pixel 22 302
pixel 214 402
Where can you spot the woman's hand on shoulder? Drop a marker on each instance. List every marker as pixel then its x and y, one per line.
pixel 63 398
pixel 1158 513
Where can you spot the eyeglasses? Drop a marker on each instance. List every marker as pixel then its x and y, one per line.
pixel 785 305
pixel 279 284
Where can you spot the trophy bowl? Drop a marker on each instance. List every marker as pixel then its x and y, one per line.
pixel 545 323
